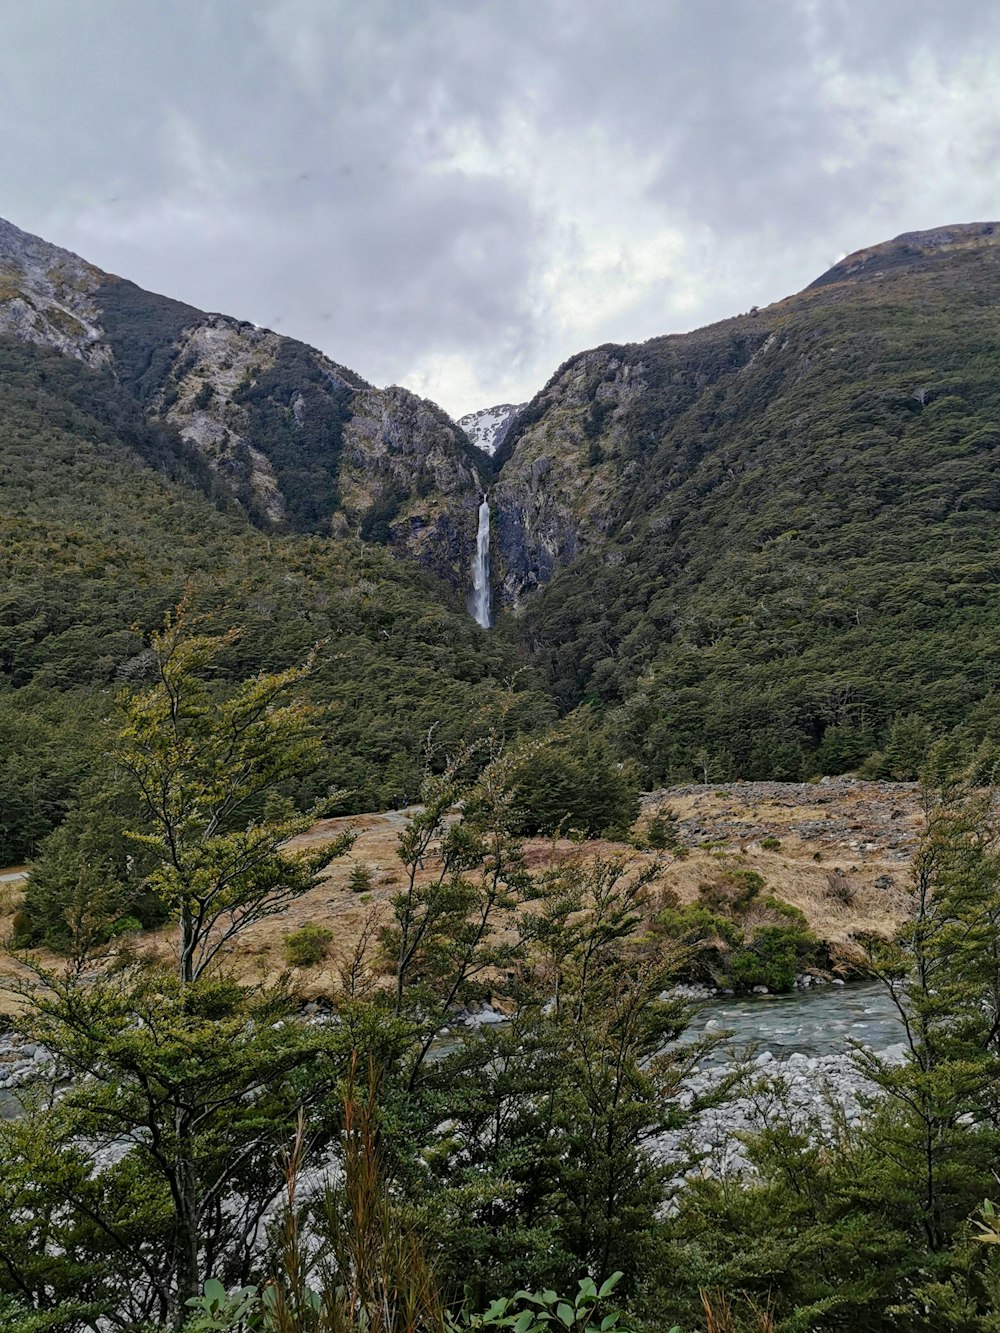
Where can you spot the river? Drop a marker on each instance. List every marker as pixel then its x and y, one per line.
pixel 815 1022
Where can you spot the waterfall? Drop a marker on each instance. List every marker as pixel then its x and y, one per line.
pixel 481 609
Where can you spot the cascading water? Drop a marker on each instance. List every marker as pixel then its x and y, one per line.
pixel 481 609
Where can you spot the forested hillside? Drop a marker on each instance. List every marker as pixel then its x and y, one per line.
pixel 107 522
pixel 774 541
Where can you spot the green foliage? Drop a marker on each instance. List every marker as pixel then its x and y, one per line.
pixel 200 765
pixel 296 416
pixel 772 957
pixel 738 939
pixel 89 874
pixel 217 1310
pixel 143 330
pixel 308 945
pixel 375 524
pixel 660 833
pixel 361 878
pixel 572 782
pixel 868 1226
pixel 533 1164
pixel 542 1311
pixel 944 973
pixel 906 748
pixel 732 889
pixel 194 1073
pixel 45 750
pixel 770 604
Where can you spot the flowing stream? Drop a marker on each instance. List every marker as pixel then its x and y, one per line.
pixel 815 1022
pixel 481 608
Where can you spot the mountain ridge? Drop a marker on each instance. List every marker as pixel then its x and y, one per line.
pixel 752 549
pixel 574 455
pixel 301 442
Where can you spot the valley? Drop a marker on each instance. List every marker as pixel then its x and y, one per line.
pixel 661 705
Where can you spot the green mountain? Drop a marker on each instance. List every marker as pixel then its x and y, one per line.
pixel 771 547
pixel 109 519
pixel 768 548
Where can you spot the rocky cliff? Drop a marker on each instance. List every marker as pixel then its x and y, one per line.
pixel 302 443
pixel 602 456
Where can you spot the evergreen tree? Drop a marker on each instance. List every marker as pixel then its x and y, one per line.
pixel 185 1083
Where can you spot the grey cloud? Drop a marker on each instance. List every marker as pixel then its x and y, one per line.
pixel 290 160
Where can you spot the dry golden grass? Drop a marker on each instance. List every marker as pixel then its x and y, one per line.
pixel 841 888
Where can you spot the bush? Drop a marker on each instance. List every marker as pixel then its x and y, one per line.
pixel 840 888
pixel 711 939
pixel 743 940
pixel 661 831
pixel 573 782
pixel 308 945
pixel 361 878
pixel 732 892
pixel 772 957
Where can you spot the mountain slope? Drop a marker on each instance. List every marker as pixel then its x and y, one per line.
pixel 489 427
pixel 303 444
pixel 765 539
pixel 108 520
pixel 766 548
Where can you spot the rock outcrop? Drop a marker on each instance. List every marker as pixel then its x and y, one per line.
pixel 302 443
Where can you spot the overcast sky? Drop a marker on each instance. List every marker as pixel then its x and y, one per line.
pixel 456 195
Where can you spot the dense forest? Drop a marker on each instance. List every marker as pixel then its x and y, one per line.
pixel 797 566
pixel 196 1150
pixel 107 522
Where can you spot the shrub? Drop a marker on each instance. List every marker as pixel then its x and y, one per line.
pixel 574 782
pixel 537 1312
pixel 840 888
pixel 772 957
pixel 732 892
pixel 361 879
pixel 308 945
pixel 711 939
pixel 661 831
pixel 125 925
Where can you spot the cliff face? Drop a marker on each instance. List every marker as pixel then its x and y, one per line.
pixel 577 469
pixel 47 297
pixel 556 493
pixel 601 457
pixel 302 443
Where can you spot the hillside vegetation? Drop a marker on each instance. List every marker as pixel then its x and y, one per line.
pixel 792 566
pixel 108 522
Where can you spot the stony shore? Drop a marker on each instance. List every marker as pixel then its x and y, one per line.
pixel 815 1095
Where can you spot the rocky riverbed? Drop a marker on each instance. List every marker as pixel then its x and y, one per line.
pixel 20 1061
pixel 789 1055
pixel 791 1059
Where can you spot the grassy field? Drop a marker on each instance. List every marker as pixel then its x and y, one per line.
pixel 842 857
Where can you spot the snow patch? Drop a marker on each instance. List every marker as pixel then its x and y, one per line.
pixel 488 428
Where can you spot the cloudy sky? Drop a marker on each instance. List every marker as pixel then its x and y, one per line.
pixel 455 195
